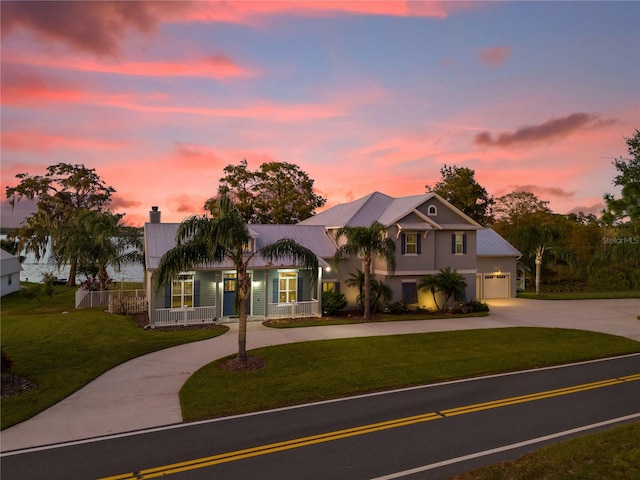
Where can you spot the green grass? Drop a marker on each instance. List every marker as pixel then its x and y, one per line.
pixel 62 352
pixel 312 371
pixel 580 295
pixel 613 455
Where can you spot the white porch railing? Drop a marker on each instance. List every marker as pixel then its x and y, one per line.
pixel 293 310
pixel 117 301
pixel 168 317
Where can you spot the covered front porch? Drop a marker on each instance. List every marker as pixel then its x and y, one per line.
pixel 203 297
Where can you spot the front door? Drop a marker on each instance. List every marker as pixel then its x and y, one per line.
pixel 229 292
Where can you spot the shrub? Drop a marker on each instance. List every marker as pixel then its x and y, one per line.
pixel 49 280
pixel 333 302
pixel 477 306
pixel 397 307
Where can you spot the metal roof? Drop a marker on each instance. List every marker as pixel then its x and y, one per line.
pixel 161 237
pixel 491 244
pixel 359 213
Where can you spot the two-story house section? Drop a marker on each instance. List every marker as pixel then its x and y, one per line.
pixel 430 234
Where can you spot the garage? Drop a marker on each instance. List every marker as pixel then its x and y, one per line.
pixel 496 285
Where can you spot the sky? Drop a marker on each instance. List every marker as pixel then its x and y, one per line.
pixel 158 97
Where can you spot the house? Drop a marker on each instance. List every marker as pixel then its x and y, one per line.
pixel 10 269
pixel 279 289
pixel 429 232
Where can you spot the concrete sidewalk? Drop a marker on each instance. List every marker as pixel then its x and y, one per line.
pixel 143 393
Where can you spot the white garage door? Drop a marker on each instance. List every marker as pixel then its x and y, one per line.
pixel 496 286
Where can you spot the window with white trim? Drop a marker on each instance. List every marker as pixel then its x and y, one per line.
pixel 287 287
pixel 432 210
pixel 411 243
pixel 459 243
pixel 182 291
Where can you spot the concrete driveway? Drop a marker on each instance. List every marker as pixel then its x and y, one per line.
pixel 143 393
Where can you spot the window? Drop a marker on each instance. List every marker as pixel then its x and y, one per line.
pixel 432 210
pixel 10 279
pixel 409 293
pixel 182 291
pixel 410 244
pixel 459 243
pixel 287 287
pixel 331 286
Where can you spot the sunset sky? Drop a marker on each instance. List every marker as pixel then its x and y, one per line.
pixel 159 97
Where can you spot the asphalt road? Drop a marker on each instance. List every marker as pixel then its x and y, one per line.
pixel 427 432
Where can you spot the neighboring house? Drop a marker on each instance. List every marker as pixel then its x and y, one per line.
pixel 429 232
pixel 10 269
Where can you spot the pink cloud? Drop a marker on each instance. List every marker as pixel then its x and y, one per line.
pixel 218 66
pixel 248 12
pixel 43 142
pixel 494 56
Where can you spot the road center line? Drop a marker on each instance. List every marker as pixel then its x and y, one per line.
pixel 362 430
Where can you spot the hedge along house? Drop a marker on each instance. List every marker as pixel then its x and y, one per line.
pixel 279 289
pixel 430 234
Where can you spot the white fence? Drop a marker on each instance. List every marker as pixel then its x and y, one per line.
pixel 122 302
pixel 167 317
pixel 294 310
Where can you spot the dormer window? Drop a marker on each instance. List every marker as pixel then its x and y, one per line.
pixel 248 247
pixel 432 210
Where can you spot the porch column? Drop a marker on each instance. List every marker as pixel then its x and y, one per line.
pixel 266 294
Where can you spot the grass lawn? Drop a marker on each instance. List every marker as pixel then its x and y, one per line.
pixel 311 371
pixel 579 295
pixel 613 454
pixel 61 352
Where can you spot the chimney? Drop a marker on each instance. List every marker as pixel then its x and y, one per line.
pixel 154 215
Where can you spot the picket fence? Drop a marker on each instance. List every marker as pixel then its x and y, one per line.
pixel 121 302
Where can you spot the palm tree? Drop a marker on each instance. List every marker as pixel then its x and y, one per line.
pixel 202 240
pixel 448 281
pixel 368 241
pixel 452 284
pixel 429 283
pixel 379 290
pixel 109 243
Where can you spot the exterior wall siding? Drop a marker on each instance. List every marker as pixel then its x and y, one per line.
pixel 503 265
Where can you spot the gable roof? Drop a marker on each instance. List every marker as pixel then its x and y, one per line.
pixel 385 209
pixel 9 263
pixel 491 244
pixel 159 238
pixel 359 213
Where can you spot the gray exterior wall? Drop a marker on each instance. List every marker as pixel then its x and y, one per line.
pixel 487 264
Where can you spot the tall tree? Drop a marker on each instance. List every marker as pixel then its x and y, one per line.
pixel 621 243
pixel 369 241
pixel 513 207
pixel 278 192
pixel 61 194
pixel 626 209
pixel 110 244
pixel 459 187
pixel 379 291
pixel 202 239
